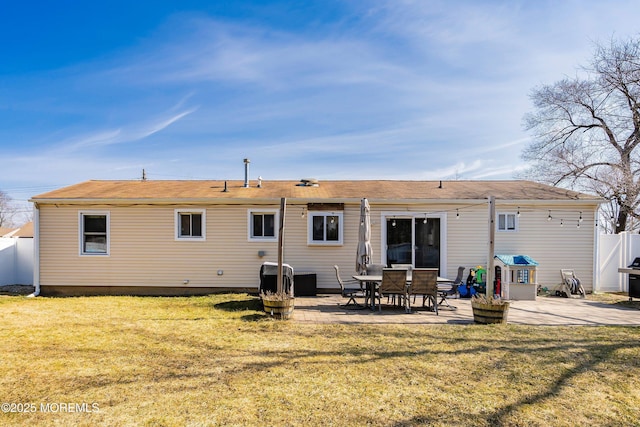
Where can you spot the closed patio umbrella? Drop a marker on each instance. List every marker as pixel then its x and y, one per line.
pixel 363 255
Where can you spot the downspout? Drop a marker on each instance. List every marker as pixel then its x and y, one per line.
pixel 36 250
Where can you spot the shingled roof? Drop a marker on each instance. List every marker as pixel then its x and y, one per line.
pixel 382 190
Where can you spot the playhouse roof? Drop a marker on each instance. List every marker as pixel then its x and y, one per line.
pixel 516 260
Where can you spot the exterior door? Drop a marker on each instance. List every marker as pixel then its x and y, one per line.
pixel 427 247
pixel 413 241
pixel 399 241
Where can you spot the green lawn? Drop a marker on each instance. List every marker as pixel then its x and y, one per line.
pixel 218 360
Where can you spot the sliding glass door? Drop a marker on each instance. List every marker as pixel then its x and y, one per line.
pixel 413 241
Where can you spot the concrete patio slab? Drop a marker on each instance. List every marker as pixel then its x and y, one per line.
pixel 544 311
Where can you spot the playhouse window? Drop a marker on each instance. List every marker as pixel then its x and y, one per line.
pixel 522 276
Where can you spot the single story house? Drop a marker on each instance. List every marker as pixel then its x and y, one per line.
pixel 190 237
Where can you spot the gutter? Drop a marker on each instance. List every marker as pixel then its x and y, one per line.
pixel 36 250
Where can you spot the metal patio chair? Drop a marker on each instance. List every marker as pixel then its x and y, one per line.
pixel 349 290
pixel 454 289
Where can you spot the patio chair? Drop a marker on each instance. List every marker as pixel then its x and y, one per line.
pixel 407 267
pixel 424 282
pixel 394 281
pixel 349 290
pixel 454 286
pixel 454 289
pixel 571 284
pixel 403 266
pixel 373 270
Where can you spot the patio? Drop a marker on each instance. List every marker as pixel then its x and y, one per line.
pixel 544 311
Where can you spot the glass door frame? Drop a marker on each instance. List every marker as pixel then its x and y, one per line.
pixel 389 215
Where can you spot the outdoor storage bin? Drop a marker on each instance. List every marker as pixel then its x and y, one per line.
pixel 305 284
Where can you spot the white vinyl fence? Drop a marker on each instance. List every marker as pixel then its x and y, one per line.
pixel 615 251
pixel 16 261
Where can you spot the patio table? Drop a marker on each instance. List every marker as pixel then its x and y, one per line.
pixel 372 281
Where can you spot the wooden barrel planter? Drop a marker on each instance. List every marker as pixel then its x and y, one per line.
pixel 281 309
pixel 489 313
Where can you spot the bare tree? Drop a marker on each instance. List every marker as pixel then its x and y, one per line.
pixel 6 210
pixel 586 131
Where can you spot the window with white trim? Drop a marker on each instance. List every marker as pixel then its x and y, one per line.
pixel 262 225
pixel 325 228
pixel 190 224
pixel 507 222
pixel 94 233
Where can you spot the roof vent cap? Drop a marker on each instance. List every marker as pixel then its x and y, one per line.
pixel 308 182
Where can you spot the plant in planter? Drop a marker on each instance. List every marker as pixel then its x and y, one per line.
pixel 278 304
pixel 488 310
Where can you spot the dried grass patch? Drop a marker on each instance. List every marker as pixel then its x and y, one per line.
pixel 217 360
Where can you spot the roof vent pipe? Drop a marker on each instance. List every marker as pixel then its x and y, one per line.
pixel 440 186
pixel 246 173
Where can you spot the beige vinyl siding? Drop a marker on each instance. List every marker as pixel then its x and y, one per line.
pixel 468 238
pixel 320 259
pixel 552 246
pixel 144 251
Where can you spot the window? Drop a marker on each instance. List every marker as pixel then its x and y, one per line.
pixel 94 233
pixel 507 222
pixel 523 276
pixel 325 228
pixel 190 224
pixel 262 225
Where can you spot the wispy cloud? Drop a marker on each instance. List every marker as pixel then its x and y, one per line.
pixel 159 126
pixel 491 171
pixel 394 89
pixel 131 133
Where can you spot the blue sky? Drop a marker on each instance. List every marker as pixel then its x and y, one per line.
pixel 325 89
